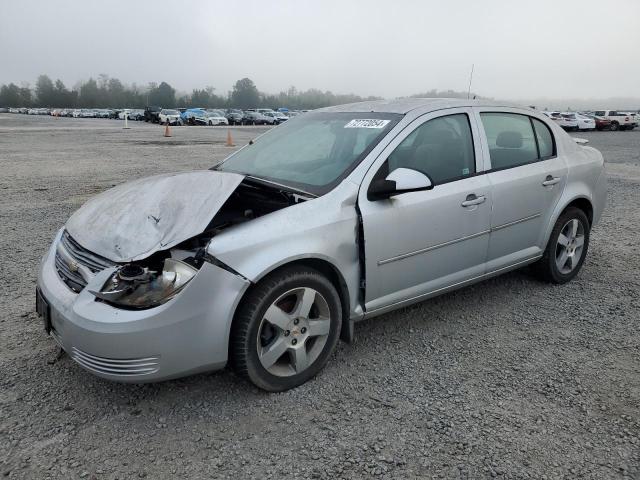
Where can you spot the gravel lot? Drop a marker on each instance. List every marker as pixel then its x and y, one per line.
pixel 510 378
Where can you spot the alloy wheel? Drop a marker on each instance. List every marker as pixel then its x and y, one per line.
pixel 293 332
pixel 570 246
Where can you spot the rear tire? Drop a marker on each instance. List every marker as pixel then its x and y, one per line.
pixel 614 126
pixel 286 329
pixel 567 248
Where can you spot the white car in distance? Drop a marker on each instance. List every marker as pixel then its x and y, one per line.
pixel 216 118
pixel 566 122
pixel 171 116
pixel 584 122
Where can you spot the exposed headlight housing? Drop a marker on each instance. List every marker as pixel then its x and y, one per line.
pixel 136 287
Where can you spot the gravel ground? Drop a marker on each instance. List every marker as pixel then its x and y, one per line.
pixel 510 378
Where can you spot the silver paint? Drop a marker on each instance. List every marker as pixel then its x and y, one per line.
pixel 450 245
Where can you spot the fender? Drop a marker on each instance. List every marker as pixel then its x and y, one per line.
pixel 310 230
pixel 574 190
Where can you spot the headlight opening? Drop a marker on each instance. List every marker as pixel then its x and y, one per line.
pixel 134 286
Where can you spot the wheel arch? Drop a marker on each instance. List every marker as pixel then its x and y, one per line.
pixel 332 273
pixel 581 201
pixel 584 204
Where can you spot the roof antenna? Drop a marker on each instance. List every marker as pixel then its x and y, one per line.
pixel 470 80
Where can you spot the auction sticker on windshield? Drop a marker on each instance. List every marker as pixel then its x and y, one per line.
pixel 367 123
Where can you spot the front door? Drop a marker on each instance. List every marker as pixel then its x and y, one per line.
pixel 420 242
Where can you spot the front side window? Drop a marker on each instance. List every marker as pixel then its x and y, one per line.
pixel 510 138
pixel 441 148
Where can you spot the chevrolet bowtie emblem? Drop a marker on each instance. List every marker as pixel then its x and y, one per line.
pixel 73 265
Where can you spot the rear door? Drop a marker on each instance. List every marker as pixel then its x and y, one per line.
pixel 527 178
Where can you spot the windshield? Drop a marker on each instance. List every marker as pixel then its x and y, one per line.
pixel 313 152
pixel 170 112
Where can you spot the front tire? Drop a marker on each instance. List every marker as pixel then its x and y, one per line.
pixel 614 126
pixel 286 329
pixel 567 248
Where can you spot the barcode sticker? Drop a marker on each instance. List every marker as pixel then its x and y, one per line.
pixel 367 123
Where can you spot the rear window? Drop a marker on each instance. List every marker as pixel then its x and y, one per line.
pixel 516 139
pixel 546 145
pixel 511 139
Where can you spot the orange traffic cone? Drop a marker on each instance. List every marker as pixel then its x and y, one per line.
pixel 229 139
pixel 167 129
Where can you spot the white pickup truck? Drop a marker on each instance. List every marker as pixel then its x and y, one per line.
pixel 619 120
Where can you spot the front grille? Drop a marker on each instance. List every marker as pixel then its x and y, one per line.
pixel 72 260
pixel 116 366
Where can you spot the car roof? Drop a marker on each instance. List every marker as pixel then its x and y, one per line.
pixel 405 105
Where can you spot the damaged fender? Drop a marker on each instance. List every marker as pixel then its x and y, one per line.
pixel 314 229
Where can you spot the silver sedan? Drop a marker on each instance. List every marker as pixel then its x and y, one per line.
pixel 265 261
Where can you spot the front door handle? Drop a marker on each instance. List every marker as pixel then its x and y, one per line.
pixel 550 181
pixel 473 199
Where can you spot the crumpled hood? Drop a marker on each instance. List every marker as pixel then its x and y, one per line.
pixel 133 220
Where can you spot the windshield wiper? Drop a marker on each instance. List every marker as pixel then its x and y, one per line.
pixel 279 186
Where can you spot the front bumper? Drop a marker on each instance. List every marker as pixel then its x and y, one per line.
pixel 186 335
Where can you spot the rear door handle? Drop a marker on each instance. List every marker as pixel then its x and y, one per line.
pixel 473 199
pixel 550 181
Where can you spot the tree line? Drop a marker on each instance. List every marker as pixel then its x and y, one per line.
pixel 106 92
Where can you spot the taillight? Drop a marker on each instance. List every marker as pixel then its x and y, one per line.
pixel 626 119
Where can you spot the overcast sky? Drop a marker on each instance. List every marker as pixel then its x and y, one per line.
pixel 521 49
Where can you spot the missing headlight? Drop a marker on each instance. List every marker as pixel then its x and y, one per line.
pixel 136 287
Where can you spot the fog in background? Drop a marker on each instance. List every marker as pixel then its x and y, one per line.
pixel 522 50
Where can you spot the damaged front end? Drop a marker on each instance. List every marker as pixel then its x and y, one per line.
pixel 151 270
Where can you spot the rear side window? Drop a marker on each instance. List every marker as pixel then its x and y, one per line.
pixel 545 139
pixel 442 148
pixel 511 139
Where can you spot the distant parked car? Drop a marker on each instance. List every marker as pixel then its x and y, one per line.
pixel 584 122
pixel 619 120
pixel 152 114
pixel 256 118
pixel 567 123
pixel 234 116
pixel 87 113
pixel 216 118
pixel 278 117
pixel 172 116
pixel 194 116
pixel 137 114
pixel 4 110
pixel 601 123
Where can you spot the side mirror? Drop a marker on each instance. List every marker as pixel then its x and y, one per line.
pixel 401 180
